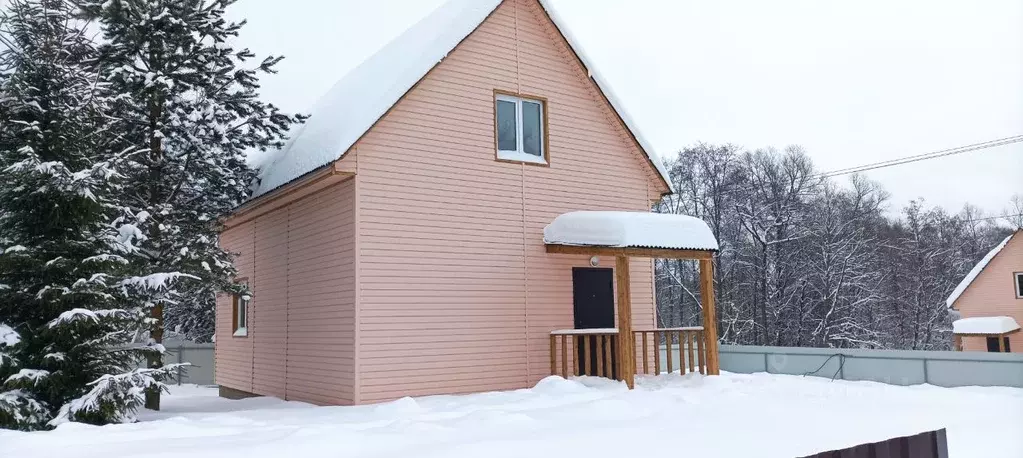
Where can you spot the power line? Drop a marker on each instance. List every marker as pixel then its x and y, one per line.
pixel 916 158
pixel 923 157
pixel 903 160
pixel 994 217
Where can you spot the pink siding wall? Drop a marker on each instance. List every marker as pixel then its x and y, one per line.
pixel 268 326
pixel 993 293
pixel 234 355
pixel 456 293
pixel 299 260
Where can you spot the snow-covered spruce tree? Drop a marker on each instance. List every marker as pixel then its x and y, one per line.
pixel 69 295
pixel 190 100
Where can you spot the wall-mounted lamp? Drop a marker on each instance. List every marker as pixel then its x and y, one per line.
pixel 594 261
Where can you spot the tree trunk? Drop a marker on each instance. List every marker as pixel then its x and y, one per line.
pixel 155 360
pixel 763 296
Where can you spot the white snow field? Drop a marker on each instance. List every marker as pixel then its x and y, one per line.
pixel 732 415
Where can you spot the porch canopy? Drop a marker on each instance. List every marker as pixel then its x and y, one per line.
pixel 986 326
pixel 640 234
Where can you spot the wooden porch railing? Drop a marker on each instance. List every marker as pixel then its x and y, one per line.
pixel 692 353
pixel 596 348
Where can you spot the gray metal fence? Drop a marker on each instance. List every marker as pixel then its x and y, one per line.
pixel 199 355
pixel 896 367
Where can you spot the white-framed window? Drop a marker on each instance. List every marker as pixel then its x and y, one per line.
pixel 1018 276
pixel 521 129
pixel 240 312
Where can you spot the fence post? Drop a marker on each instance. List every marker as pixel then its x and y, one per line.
pixel 180 360
pixel 927 378
pixel 767 367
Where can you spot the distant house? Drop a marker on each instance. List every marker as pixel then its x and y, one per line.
pixel 397 245
pixel 993 288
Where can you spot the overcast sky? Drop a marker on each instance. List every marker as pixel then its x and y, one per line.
pixel 853 82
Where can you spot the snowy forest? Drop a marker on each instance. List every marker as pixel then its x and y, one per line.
pixel 812 259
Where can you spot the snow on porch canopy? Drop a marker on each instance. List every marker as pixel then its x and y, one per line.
pixel 986 325
pixel 622 229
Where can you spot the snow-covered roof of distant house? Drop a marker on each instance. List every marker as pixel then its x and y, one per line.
pixel 995 325
pixel 968 279
pixel 356 102
pixel 630 229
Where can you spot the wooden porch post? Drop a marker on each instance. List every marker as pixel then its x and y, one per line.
pixel 1001 343
pixel 626 352
pixel 710 329
pixel 958 342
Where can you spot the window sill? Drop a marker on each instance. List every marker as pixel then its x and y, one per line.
pixel 516 156
pixel 241 332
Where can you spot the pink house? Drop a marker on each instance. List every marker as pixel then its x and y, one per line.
pixel 396 246
pixel 990 300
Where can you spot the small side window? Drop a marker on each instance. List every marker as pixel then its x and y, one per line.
pixel 521 129
pixel 1018 276
pixel 240 313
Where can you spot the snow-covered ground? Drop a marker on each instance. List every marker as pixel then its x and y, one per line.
pixel 731 415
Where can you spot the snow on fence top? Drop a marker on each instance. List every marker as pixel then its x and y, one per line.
pixel 961 288
pixel 985 325
pixel 350 108
pixel 630 229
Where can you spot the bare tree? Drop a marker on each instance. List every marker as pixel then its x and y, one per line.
pixel 1014 214
pixel 806 261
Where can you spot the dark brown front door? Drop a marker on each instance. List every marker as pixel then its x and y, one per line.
pixel 992 345
pixel 593 304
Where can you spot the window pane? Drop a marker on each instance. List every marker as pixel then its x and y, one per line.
pixel 243 307
pixel 532 136
pixel 1019 285
pixel 506 135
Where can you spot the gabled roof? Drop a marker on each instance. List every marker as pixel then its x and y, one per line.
pixel 364 95
pixel 977 269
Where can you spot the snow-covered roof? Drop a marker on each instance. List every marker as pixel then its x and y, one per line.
pixel 356 102
pixel 961 288
pixel 630 229
pixel 985 325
